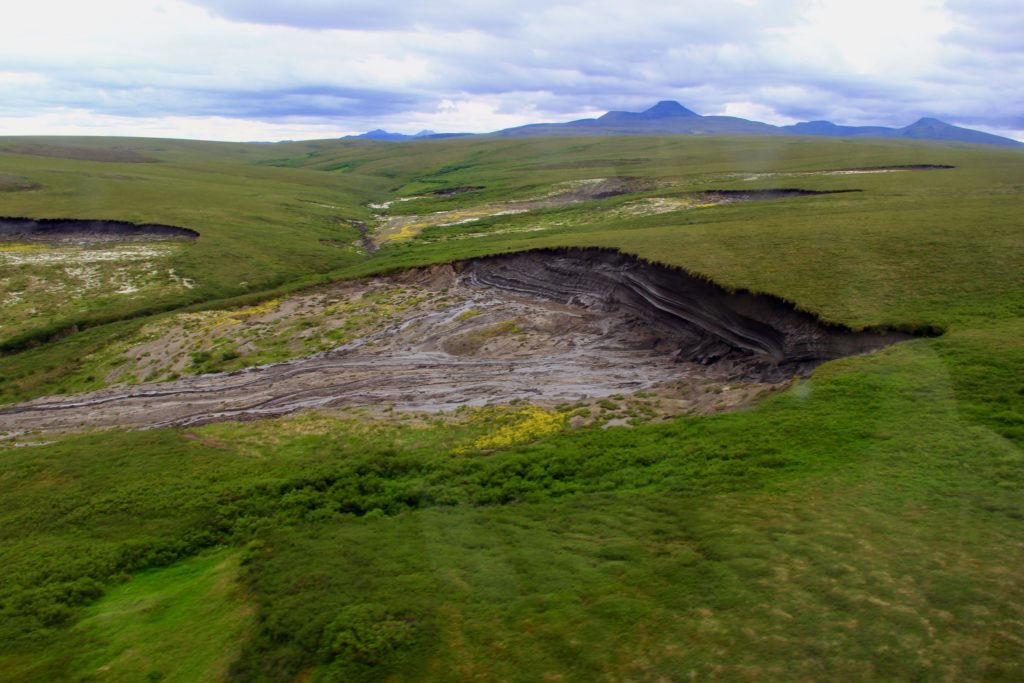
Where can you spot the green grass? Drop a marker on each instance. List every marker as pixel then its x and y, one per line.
pixel 865 524
pixel 903 251
pixel 182 623
pixel 844 529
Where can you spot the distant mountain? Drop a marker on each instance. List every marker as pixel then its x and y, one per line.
pixel 924 129
pixel 380 134
pixel 829 129
pixel 671 118
pixel 666 109
pixel 664 118
pixel 933 129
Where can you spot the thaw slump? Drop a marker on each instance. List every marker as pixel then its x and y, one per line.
pixel 78 230
pixel 758 336
pixel 550 326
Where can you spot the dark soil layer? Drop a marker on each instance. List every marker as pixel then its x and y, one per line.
pixel 75 230
pixel 761 195
pixel 448 191
pixel 755 336
pixel 906 167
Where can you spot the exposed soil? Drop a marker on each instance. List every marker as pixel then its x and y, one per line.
pixel 449 191
pixel 550 326
pixel 86 231
pixel 728 196
pixel 648 206
pixel 365 237
pixel 904 167
pixel 401 227
pixel 843 171
pixel 44 281
pixel 755 336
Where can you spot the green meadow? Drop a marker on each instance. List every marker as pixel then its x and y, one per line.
pixel 867 523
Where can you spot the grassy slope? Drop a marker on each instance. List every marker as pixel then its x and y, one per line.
pixel 260 227
pixel 901 252
pixel 864 525
pixel 183 623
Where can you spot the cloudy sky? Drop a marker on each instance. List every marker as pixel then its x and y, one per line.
pixel 295 69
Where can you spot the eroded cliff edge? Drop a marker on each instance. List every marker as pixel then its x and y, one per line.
pixel 756 335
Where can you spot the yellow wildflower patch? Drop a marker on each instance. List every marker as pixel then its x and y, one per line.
pixel 214 319
pixel 515 427
pixel 18 246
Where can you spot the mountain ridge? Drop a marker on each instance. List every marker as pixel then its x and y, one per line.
pixel 380 134
pixel 669 117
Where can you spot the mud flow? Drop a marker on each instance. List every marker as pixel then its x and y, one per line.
pixel 75 231
pixel 551 327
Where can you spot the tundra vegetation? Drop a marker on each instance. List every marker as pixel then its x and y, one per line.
pixel 866 523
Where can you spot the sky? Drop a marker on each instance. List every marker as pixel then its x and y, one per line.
pixel 302 69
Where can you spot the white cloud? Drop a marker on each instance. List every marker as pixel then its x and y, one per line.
pixel 83 122
pixel 878 38
pixel 165 63
pixel 755 112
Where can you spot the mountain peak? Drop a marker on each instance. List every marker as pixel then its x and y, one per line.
pixel 667 109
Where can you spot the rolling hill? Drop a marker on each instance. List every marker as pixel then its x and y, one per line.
pixel 860 521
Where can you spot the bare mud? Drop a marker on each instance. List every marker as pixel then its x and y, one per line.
pixel 78 231
pixel 550 327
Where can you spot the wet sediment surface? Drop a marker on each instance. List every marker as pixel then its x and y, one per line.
pixel 548 326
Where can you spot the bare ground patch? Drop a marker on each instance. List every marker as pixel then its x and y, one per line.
pixel 43 282
pixel 12 183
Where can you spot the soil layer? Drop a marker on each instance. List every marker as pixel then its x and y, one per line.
pixel 78 230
